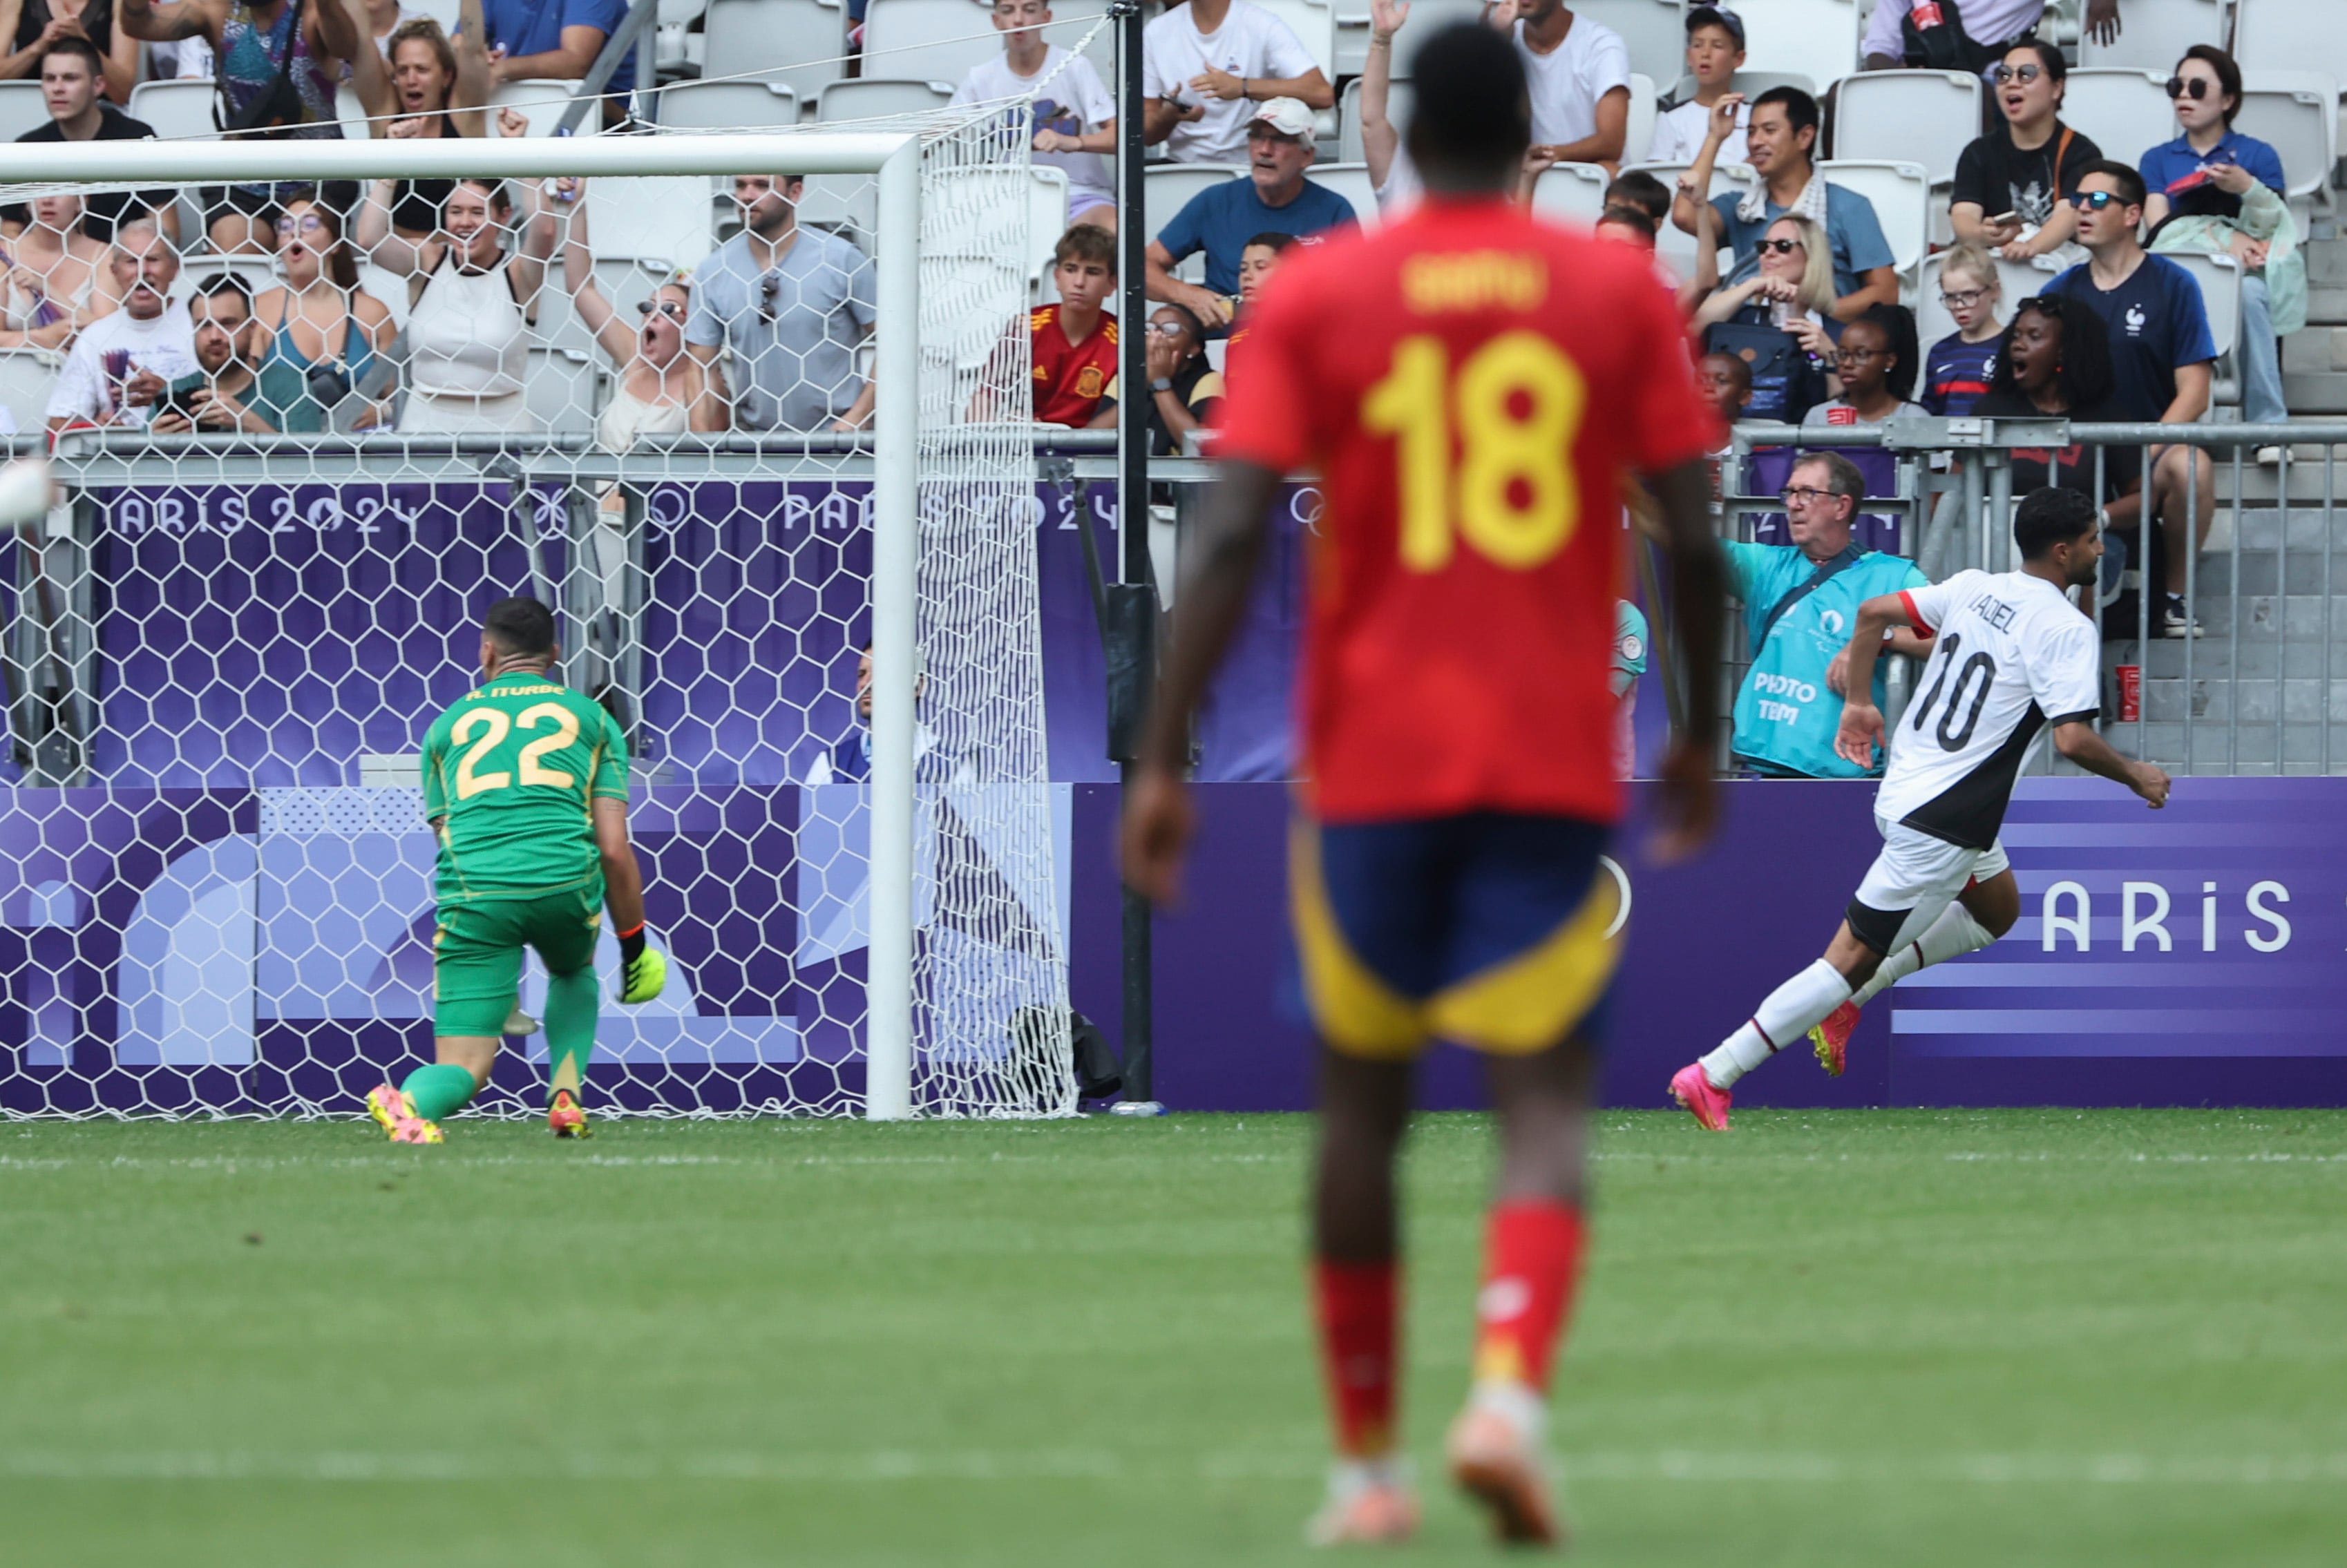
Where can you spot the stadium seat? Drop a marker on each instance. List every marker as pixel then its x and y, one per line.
pixel 800 44
pixel 258 274
pixel 1652 30
pixel 1351 181
pixel 1909 116
pixel 847 202
pixel 2124 109
pixel 26 378
pixel 727 105
pixel 2153 33
pixel 1166 188
pixel 924 40
pixel 564 389
pixel 1575 191
pixel 389 287
pixel 1638 136
pixel 350 111
pixel 1047 219
pixel 22 109
pixel 1313 23
pixel 541 101
pixel 1673 246
pixel 2287 35
pixel 1352 30
pixel 875 98
pixel 441 11
pixel 2018 281
pixel 1818 38
pixel 2298 113
pixel 180 110
pixel 1751 84
pixel 1071 19
pixel 1902 199
pixel 1398 97
pixel 2219 278
pixel 658 217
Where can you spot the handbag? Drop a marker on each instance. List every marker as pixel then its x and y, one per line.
pixel 276 105
pixel 1933 33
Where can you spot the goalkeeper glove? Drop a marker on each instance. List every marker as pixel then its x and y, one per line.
pixel 642 972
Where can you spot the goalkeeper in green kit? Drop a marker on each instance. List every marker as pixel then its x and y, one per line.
pixel 526 786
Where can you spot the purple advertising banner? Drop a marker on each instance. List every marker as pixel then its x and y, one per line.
pixel 2196 955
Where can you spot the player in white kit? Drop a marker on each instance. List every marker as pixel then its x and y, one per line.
pixel 2011 656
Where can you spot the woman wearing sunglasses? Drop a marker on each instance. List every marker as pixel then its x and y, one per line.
pixel 1779 321
pixel 662 390
pixel 2218 192
pixel 2011 183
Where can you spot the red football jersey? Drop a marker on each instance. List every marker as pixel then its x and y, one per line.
pixel 1470 384
pixel 1070 379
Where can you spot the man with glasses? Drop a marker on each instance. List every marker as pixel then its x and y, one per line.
pixel 2161 354
pixel 1801 601
pixel 794 304
pixel 2009 183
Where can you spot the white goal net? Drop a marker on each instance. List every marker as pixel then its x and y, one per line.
pixel 646 379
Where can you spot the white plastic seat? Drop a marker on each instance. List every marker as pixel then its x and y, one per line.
pixel 178 110
pixel 1751 84
pixel 1400 96
pixel 800 43
pixel 1312 21
pixel 2153 33
pixel 2123 109
pixel 1071 19
pixel 542 101
pixel 1638 134
pixel 1901 197
pixel 873 98
pixel 387 286
pixel 22 109
pixel 1818 38
pixel 649 217
pixel 2290 36
pixel 1167 188
pixel 1572 192
pixel 562 390
pixel 1352 30
pixel 2298 113
pixel 1047 219
pixel 2219 278
pixel 922 40
pixel 1653 31
pixel 27 376
pixel 1909 116
pixel 1351 181
pixel 258 274
pixel 727 105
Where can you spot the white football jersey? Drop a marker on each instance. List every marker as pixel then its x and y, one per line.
pixel 2010 656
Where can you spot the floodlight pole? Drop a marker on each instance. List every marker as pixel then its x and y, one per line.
pixel 1130 626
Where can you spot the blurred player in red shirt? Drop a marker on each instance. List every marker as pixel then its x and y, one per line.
pixel 1471 385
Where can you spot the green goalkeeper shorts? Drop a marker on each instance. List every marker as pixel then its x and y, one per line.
pixel 477 953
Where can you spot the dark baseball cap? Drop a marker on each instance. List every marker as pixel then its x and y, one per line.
pixel 1722 16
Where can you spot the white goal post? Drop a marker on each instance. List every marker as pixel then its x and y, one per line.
pixel 916 428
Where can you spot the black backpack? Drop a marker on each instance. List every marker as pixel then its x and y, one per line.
pixel 1035 1047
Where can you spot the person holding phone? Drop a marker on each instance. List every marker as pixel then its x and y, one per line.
pixel 1208 65
pixel 216 400
pixel 2011 184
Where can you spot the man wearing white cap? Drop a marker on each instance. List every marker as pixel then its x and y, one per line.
pixel 1274 199
pixel 1205 66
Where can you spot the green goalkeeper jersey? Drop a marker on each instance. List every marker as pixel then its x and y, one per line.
pixel 510 777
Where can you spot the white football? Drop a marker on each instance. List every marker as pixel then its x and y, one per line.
pixel 25 491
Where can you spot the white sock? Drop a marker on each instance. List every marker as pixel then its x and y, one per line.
pixel 1789 1012
pixel 1952 936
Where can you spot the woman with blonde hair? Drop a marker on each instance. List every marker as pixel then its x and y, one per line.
pixel 427 86
pixel 1780 320
pixel 56 277
pixel 1960 367
pixel 662 387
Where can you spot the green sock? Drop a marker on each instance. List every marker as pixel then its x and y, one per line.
pixel 571 1003
pixel 439 1089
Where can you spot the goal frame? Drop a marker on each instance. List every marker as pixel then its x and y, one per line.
pixel 894 160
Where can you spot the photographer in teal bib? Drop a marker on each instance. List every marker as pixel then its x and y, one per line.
pixel 1801 601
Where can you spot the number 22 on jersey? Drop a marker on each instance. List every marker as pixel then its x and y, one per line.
pixel 493 726
pixel 1517 402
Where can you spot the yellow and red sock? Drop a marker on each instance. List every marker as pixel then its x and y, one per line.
pixel 1359 1308
pixel 1531 1262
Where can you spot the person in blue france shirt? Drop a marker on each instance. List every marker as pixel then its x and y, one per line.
pixel 1801 601
pixel 2218 192
pixel 1276 197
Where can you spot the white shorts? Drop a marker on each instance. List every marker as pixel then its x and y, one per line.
pixel 1912 882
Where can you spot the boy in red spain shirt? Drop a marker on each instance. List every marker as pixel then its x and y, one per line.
pixel 1470 384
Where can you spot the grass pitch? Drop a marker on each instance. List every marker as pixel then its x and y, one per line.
pixel 1891 1337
